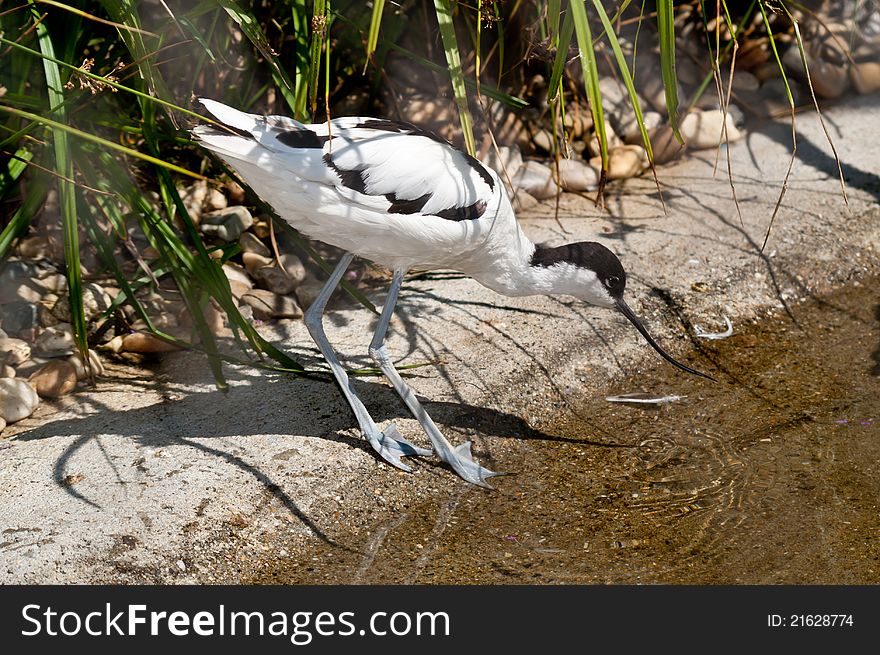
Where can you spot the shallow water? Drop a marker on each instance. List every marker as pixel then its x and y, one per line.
pixel 771 475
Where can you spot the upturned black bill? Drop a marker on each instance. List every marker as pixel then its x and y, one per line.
pixel 626 311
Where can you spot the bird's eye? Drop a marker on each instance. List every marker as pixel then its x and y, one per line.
pixel 611 281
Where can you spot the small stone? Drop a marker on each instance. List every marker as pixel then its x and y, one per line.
pixel 253 261
pixel 506 161
pixel 214 200
pixel 6 371
pixel 266 305
pixel 54 379
pixel 623 162
pixel 262 227
pixel 16 282
pixel 193 198
pixel 234 192
pixel 18 399
pixel 227 224
pixel 308 290
pixel 281 280
pixel 95 302
pixel 249 242
pixel 536 179
pixel 543 140
pixel 95 363
pixel 633 135
pixel 2 423
pixel 21 318
pixel 827 62
pixel 35 247
pixel 238 289
pixel 611 139
pixel 14 351
pixel 865 76
pixel 702 129
pixel 235 273
pixel 143 342
pixel 664 145
pixel 576 175
pixel 55 342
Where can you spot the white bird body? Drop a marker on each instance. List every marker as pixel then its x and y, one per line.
pixel 406 199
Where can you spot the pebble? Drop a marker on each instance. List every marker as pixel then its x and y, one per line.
pixel 6 371
pixel 266 305
pixel 249 242
pixel 18 399
pixel 16 282
pixel 193 197
pixel 235 273
pixel 506 161
pixel 95 302
pixel 227 224
pixel 55 342
pixel 536 179
pixel 214 200
pixel 262 227
pixel 543 140
pixel 35 247
pixel 827 63
pixel 702 129
pixel 54 379
pixel 664 145
pixel 631 132
pixel 283 280
pixel 611 139
pixel 97 366
pixel 143 342
pixel 865 76
pixel 14 351
pixel 21 318
pixel 576 175
pixel 2 423
pixel 309 289
pixel 623 162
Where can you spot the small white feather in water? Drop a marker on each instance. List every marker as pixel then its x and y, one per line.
pixel 643 399
pixel 702 334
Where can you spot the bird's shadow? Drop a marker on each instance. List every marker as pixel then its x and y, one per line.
pixel 271 404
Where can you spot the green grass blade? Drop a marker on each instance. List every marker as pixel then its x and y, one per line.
pixel 591 78
pixel 453 59
pixel 666 29
pixel 375 23
pixel 563 43
pixel 21 219
pixel 319 36
pixel 66 192
pixel 624 73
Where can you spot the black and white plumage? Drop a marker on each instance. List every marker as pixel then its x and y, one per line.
pixel 404 198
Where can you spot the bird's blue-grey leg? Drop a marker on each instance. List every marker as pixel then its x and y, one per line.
pixel 388 443
pixel 458 457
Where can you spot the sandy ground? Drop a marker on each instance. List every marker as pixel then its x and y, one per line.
pixel 155 476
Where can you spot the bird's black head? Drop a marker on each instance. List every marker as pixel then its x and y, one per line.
pixel 603 283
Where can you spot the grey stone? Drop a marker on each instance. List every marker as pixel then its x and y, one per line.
pixel 506 161
pixel 55 342
pixel 536 179
pixel 14 351
pixel 576 175
pixel 249 242
pixel 266 304
pixel 227 224
pixel 21 319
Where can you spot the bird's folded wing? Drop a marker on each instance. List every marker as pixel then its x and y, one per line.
pixel 378 164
